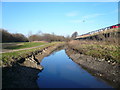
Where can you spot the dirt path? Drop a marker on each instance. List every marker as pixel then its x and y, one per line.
pixel 6 50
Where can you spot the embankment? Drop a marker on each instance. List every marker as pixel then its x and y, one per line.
pixel 22 71
pixel 96 66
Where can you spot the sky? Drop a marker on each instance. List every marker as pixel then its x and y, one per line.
pixel 61 18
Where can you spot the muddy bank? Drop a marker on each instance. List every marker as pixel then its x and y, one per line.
pixel 97 67
pixel 22 73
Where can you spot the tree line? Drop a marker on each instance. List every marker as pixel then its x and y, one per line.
pixel 18 37
pixel 9 37
pixel 47 37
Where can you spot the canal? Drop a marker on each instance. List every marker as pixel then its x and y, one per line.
pixel 61 72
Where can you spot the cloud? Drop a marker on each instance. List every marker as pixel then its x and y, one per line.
pixel 91 16
pixel 86 18
pixel 76 21
pixel 81 21
pixel 71 14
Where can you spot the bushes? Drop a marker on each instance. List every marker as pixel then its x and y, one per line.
pixel 47 37
pixel 9 37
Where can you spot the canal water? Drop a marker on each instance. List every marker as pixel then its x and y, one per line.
pixel 61 72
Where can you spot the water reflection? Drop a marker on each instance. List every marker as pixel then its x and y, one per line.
pixel 61 72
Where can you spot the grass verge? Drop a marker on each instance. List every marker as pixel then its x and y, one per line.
pixel 8 57
pixel 97 49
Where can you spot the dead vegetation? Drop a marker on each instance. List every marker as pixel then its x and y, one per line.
pixel 99 49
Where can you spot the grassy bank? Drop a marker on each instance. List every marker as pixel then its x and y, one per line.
pixel 103 50
pixel 7 58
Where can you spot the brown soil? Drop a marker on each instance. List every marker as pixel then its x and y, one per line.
pixel 23 73
pixel 98 67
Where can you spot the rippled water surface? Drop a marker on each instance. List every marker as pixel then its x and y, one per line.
pixel 61 72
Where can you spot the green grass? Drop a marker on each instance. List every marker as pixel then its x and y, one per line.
pixel 24 45
pixel 97 49
pixel 7 57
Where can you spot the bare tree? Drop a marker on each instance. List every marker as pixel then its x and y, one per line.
pixel 74 35
pixel 29 36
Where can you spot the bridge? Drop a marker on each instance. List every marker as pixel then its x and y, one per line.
pixel 101 34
